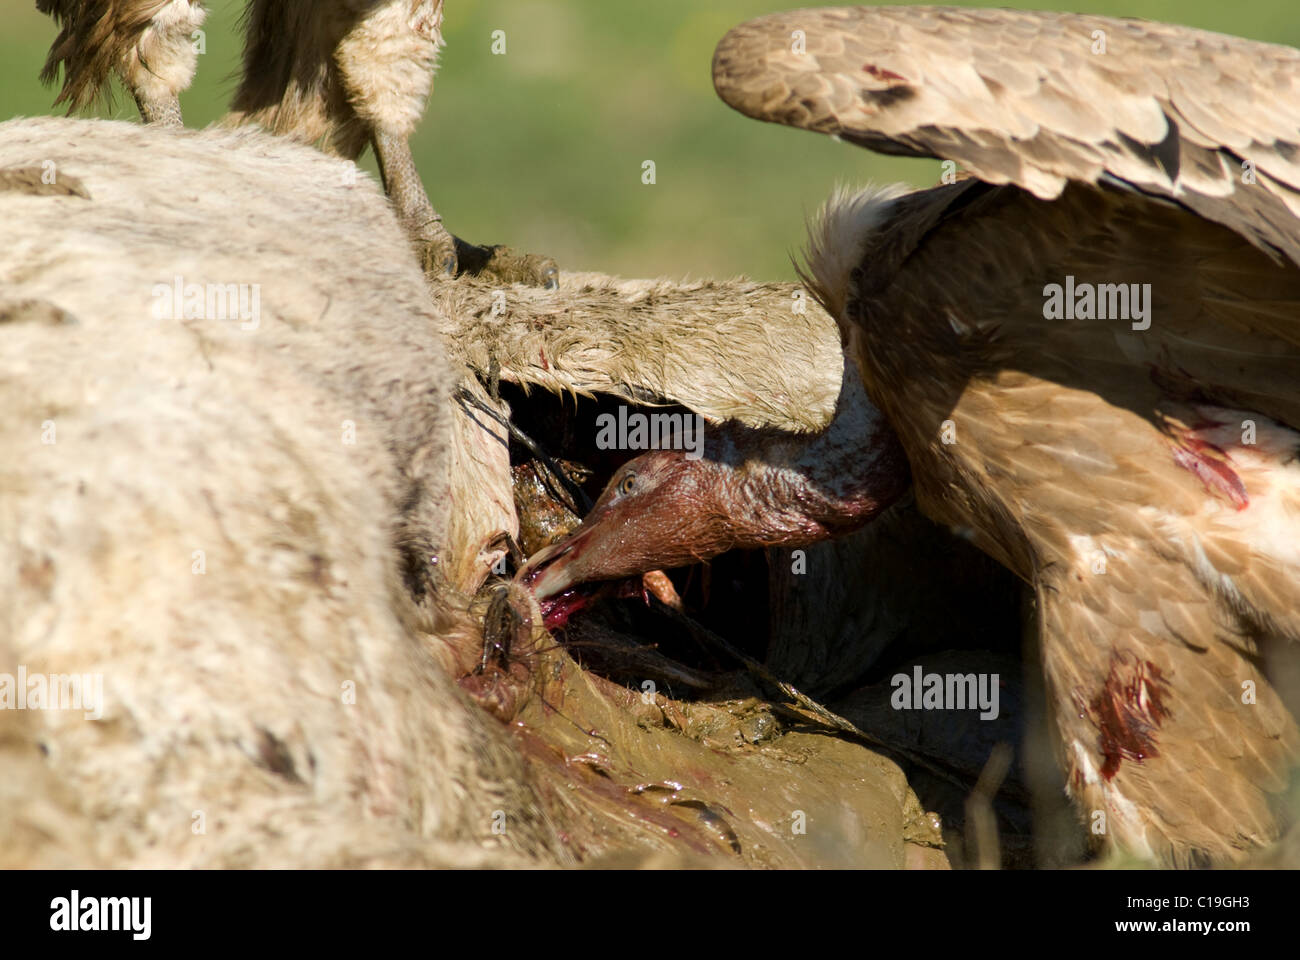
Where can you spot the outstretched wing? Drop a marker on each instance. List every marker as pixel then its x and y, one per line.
pixel 1108 462
pixel 1040 99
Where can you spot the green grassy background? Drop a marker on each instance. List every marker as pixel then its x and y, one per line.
pixel 542 148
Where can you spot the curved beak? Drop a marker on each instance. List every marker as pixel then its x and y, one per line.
pixel 547 573
pixel 559 576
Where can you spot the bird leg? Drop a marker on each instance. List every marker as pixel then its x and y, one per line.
pixel 165 111
pixel 434 243
pixel 442 254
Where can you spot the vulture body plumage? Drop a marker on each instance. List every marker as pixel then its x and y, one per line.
pixel 1088 349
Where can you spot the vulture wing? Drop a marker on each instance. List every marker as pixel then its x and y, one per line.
pixel 1146 479
pixel 1041 99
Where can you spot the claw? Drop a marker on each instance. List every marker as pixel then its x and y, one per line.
pixel 438 260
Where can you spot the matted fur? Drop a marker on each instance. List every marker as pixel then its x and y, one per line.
pixel 705 344
pixel 323 562
pixel 201 533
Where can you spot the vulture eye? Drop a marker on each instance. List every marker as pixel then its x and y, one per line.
pixel 627 483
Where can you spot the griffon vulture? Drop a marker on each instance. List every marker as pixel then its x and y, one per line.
pixel 1085 354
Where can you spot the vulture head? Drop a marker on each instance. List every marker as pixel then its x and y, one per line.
pixel 659 509
pixel 747 489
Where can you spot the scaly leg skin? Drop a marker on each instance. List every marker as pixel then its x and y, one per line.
pixel 434 244
pixel 163 111
pixel 441 254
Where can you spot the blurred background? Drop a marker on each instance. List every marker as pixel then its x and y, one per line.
pixel 542 147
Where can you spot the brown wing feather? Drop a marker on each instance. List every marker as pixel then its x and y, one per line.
pixel 1020 97
pixel 1067 419
pixel 1166 726
pixel 95 37
pixel 1067 442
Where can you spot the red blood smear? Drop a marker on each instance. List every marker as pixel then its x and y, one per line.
pixel 1129 711
pixel 1218 477
pixel 557 610
pixel 880 73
